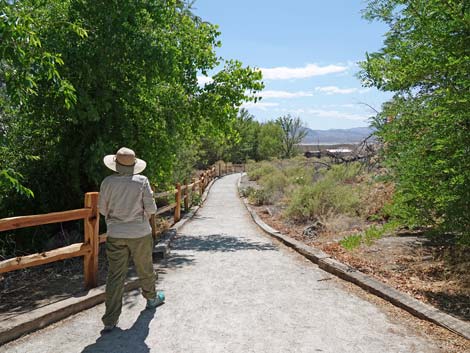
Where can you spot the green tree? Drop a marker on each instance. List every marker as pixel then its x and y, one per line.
pixel 425 61
pixel 243 142
pixel 270 140
pixel 135 82
pixel 293 132
pixel 24 62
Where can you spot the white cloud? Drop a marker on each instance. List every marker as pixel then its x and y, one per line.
pixel 336 90
pixel 325 114
pixel 202 80
pixel 335 114
pixel 284 94
pixel 310 70
pixel 259 105
pixel 316 113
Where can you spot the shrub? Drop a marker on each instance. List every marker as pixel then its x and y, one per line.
pixel 344 172
pixel 372 233
pixel 257 170
pixel 196 199
pixel 323 197
pixel 273 184
pixel 299 175
pixel 331 193
pixel 351 242
pixel 245 192
pixel 369 235
pixel 258 197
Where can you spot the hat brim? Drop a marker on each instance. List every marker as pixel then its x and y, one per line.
pixel 110 162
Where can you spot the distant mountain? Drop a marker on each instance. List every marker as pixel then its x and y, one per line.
pixel 337 136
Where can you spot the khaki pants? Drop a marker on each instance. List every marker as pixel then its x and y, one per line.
pixel 118 252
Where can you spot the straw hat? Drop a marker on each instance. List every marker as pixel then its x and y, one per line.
pixel 124 162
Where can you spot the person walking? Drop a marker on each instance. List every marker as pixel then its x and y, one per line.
pixel 126 200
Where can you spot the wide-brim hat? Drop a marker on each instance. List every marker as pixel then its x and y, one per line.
pixel 124 162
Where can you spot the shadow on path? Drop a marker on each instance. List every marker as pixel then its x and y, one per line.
pixel 219 242
pixel 197 217
pixel 175 260
pixel 125 341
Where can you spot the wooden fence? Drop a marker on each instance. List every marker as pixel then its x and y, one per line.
pixel 89 248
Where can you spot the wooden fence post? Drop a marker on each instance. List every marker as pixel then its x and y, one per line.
pixel 177 215
pixel 201 185
pixel 193 189
pixel 186 196
pixel 153 221
pixel 91 228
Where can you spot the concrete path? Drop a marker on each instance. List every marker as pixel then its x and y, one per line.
pixel 230 288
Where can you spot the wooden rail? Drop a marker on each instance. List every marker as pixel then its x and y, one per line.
pixel 88 249
pixel 165 209
pixel 78 249
pixel 30 221
pixel 183 195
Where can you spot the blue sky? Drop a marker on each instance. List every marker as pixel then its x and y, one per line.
pixel 307 51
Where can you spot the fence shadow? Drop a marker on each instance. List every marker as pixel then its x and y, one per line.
pixel 27 289
pixel 200 218
pixel 175 261
pixel 131 340
pixel 219 242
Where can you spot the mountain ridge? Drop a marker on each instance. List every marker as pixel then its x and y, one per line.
pixel 336 136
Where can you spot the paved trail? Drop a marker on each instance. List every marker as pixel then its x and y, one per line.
pixel 231 289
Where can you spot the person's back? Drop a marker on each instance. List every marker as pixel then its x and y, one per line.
pixel 127 203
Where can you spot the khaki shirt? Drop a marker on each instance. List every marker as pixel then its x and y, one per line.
pixel 127 202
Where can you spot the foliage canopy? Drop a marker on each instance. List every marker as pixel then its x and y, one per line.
pixel 425 61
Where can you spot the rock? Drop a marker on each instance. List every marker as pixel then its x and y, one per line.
pixel 313 230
